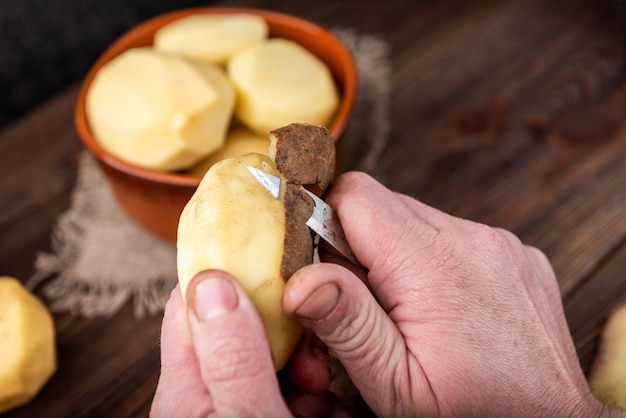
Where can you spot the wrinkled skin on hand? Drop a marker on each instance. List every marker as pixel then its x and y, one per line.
pixel 453 318
pixel 450 318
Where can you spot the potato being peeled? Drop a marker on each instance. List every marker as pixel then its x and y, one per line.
pixel 232 223
pixel 159 111
pixel 27 344
pixel 279 82
pixel 212 38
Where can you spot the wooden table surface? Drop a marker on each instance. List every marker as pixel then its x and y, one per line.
pixel 510 113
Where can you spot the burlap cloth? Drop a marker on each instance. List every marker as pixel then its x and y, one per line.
pixel 100 259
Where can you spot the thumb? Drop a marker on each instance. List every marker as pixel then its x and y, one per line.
pixel 341 311
pixel 231 347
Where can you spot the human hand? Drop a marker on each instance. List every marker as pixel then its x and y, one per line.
pixel 215 359
pixel 453 318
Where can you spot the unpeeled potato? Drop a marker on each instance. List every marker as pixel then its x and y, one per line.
pixel 27 344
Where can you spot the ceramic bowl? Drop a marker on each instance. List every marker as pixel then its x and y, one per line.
pixel 154 199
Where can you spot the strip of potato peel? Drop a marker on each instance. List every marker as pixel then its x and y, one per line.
pixel 323 221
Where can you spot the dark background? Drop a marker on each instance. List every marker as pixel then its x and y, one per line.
pixel 47 44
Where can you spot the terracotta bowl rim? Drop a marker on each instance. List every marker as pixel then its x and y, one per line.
pixel 336 127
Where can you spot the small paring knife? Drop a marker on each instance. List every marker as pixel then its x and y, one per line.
pixel 323 221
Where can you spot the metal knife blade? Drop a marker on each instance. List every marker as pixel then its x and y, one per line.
pixel 323 221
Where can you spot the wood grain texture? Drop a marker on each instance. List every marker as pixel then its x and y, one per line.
pixel 509 113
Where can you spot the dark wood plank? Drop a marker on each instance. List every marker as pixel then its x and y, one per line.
pixel 38 171
pixel 104 365
pixel 590 304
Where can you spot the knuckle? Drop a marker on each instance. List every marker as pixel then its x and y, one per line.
pixel 538 256
pixel 499 246
pixel 446 253
pixel 477 249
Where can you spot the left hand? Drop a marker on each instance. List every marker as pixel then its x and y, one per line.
pixel 215 359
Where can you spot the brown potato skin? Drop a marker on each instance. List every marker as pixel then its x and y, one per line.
pixel 298 247
pixel 304 154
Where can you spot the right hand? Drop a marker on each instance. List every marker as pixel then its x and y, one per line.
pixel 453 318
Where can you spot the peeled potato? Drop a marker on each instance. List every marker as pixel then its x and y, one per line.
pixel 279 82
pixel 159 111
pixel 239 141
pixel 212 38
pixel 27 344
pixel 608 376
pixel 233 224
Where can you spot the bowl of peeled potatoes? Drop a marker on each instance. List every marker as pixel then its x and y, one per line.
pixel 185 89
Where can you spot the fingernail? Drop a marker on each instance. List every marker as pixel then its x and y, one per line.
pixel 213 297
pixel 320 303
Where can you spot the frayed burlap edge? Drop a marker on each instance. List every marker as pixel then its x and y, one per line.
pixel 101 258
pixel 369 128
